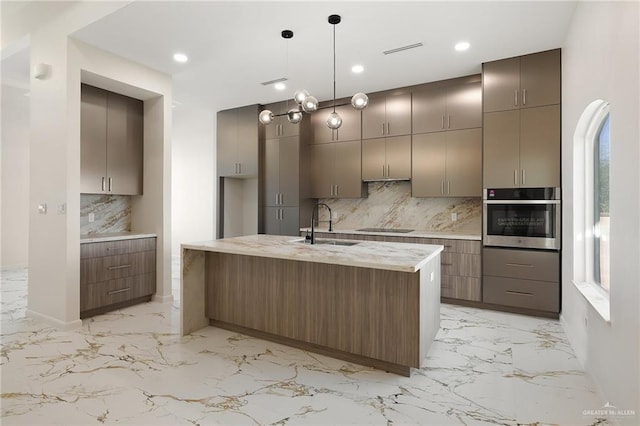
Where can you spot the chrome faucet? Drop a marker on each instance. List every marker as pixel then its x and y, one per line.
pixel 313 220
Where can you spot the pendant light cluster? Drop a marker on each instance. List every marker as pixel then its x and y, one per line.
pixel 308 103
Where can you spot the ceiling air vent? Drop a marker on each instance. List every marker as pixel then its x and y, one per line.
pixel 400 49
pixel 277 80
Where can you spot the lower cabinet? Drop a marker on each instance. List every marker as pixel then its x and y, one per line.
pixel 526 279
pixel 282 220
pixel 461 262
pixel 116 274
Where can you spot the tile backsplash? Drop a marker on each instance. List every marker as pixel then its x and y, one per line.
pixel 112 213
pixel 390 205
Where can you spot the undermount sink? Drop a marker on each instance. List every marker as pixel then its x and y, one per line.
pixel 328 242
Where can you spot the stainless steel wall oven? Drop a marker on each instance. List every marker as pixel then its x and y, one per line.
pixel 522 217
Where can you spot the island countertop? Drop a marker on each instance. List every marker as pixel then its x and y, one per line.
pixel 401 257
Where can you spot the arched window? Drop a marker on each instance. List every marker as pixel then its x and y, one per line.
pixel 601 217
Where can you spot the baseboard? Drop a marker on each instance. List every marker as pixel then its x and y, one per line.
pixel 60 325
pixel 162 299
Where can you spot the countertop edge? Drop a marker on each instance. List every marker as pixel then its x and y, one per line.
pixel 100 238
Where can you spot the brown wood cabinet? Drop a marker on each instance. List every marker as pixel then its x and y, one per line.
pixel 336 170
pixel 522 148
pixel 111 143
pixel 237 142
pixel 386 158
pixel 527 279
pixel 350 130
pixel 387 114
pixel 447 164
pixel 438 107
pixel 116 274
pixel 460 262
pixel 522 82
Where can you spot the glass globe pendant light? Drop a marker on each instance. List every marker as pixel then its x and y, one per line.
pixel 334 121
pixel 359 101
pixel 300 96
pixel 294 116
pixel 310 104
pixel 265 117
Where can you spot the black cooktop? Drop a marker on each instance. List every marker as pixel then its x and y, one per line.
pixel 398 230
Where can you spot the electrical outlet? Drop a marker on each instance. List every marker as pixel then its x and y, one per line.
pixel 42 208
pixel 62 208
pixel 92 217
pixel 454 217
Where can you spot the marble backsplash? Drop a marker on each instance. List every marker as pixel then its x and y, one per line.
pixel 390 205
pixel 112 213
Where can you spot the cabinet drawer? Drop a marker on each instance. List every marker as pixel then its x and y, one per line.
pixel 106 293
pixel 456 287
pixel 109 248
pixel 453 246
pixel 540 295
pixel 522 264
pixel 113 267
pixel 461 264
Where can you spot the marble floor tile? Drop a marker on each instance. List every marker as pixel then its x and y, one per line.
pixel 131 367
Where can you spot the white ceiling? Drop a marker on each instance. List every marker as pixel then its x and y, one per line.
pixel 233 46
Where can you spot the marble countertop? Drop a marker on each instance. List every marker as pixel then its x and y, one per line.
pixel 403 257
pixel 412 234
pixel 114 236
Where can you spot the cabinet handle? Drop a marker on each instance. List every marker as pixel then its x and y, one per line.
pixel 103 181
pixel 442 126
pixel 281 199
pixel 519 265
pixel 515 176
pixel 524 96
pixel 442 187
pixel 239 168
pixel 388 129
pixel 516 97
pixel 519 293
pixel 122 290
pixel 446 264
pixel 383 170
pixel 111 268
pixel 276 198
pixel 448 121
pixel 337 187
pixel 383 128
pixel 448 187
pixel 388 170
pixel 110 184
pixel 523 177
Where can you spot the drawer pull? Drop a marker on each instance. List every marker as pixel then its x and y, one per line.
pixel 111 268
pixel 122 290
pixel 447 264
pixel 518 293
pixel 448 246
pixel 519 265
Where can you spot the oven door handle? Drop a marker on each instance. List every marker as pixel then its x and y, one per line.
pixel 550 202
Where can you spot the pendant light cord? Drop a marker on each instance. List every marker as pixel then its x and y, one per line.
pixel 334 68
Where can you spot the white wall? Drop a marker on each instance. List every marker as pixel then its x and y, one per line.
pixel 15 177
pixel 601 61
pixel 193 176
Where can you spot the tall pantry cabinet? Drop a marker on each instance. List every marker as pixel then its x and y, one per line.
pixel 521 101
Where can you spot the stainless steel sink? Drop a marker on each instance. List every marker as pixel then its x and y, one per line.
pixel 324 241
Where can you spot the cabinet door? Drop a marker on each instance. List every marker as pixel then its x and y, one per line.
pixel 373 118
pixel 290 221
pixel 501 85
pixel 348 169
pixel 124 145
pixel 271 220
pixel 321 170
pixel 93 139
pixel 320 132
pixel 374 161
pixel 351 128
pixel 429 109
pixel 227 137
pixel 398 155
pixel 289 153
pixel 271 172
pixel 398 114
pixel 540 79
pixel 540 146
pixel 464 163
pixel 248 140
pixel 464 106
pixel 501 149
pixel 428 169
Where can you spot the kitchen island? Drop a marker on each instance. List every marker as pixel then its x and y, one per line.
pixel 372 303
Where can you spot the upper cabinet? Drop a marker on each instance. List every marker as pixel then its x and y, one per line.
pixel 237 137
pixel 111 147
pixel 387 115
pixel 522 82
pixel 336 170
pixel 350 130
pixel 386 158
pixel 281 127
pixel 438 108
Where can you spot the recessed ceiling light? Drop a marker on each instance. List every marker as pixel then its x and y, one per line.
pixel 462 46
pixel 180 57
pixel 280 86
pixel 357 69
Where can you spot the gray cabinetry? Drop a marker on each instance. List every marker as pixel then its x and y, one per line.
pixel 522 148
pixel 237 141
pixel 387 115
pixel 447 164
pixel 351 128
pixel 437 108
pixel 281 171
pixel 280 127
pixel 111 134
pixel 527 279
pixel 386 158
pixel 336 170
pixel 522 82
pixel 115 274
pixel 282 220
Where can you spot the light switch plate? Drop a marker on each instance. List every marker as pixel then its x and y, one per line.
pixel 42 208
